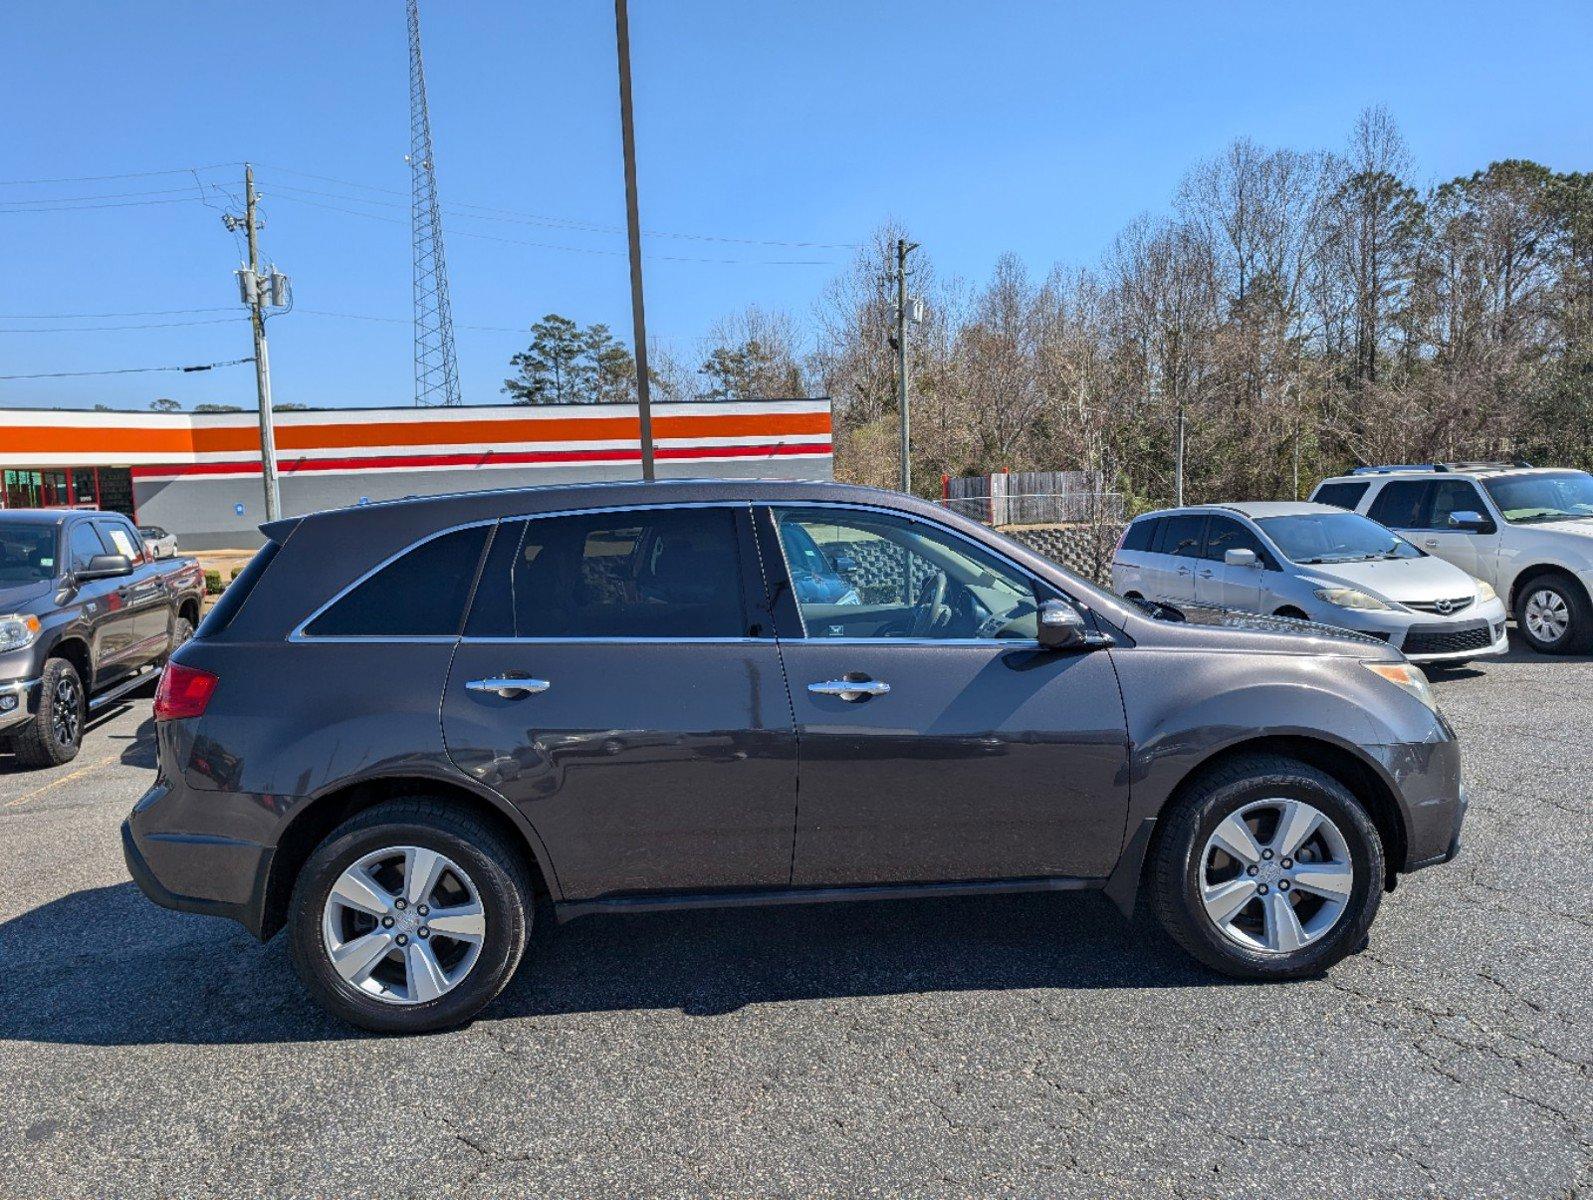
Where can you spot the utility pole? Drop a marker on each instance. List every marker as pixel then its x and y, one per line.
pixel 633 227
pixel 262 361
pixel 1178 452
pixel 903 249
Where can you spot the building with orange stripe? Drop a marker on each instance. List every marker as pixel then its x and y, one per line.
pixel 198 474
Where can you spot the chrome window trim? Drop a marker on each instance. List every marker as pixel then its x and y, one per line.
pixel 1012 643
pixel 298 636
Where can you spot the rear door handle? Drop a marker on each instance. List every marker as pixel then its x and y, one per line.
pixel 510 687
pixel 850 689
pixel 1183 570
pixel 1207 573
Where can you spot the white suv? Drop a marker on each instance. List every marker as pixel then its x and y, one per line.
pixel 1527 531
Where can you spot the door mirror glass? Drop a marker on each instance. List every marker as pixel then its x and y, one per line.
pixel 105 566
pixel 1241 558
pixel 1061 626
pixel 1473 522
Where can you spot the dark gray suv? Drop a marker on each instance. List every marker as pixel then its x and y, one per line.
pixel 408 727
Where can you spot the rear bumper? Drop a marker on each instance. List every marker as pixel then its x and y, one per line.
pixel 199 874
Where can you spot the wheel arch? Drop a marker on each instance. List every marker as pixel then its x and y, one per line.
pixel 318 817
pixel 189 609
pixel 1538 571
pixel 76 651
pixel 1361 777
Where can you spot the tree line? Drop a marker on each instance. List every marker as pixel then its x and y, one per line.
pixel 1300 311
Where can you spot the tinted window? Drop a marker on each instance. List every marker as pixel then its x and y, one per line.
pixel 662 573
pixel 422 593
pixel 1402 504
pixel 1225 534
pixel 871 575
pixel 1140 535
pixel 1533 499
pixel 122 539
pixel 1341 495
pixel 83 545
pixel 1181 535
pixel 220 616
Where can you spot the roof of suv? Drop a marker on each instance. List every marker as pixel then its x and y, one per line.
pixel 1441 471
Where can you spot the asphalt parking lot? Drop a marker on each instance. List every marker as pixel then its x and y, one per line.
pixel 1015 1045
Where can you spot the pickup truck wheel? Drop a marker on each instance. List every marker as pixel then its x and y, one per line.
pixel 55 734
pixel 181 630
pixel 411 916
pixel 1554 616
pixel 1268 869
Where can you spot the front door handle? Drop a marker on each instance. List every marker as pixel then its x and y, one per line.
pixel 1207 573
pixel 1183 570
pixel 850 689
pixel 510 687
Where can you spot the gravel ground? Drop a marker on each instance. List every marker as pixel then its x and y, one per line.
pixel 1014 1045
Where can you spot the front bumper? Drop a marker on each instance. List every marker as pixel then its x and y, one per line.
pixel 1475 632
pixel 19 700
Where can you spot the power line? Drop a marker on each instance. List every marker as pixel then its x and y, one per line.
pixel 158 312
pixel 103 178
pixel 109 328
pixel 47 208
pixel 234 362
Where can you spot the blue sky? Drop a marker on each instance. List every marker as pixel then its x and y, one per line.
pixel 1037 128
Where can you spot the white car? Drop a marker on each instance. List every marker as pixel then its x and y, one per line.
pixel 1311 562
pixel 157 542
pixel 1527 531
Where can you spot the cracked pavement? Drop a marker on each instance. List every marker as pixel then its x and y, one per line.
pixel 993 1046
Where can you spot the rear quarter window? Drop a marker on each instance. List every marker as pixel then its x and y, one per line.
pixel 1341 495
pixel 1140 535
pixel 421 593
pixel 220 616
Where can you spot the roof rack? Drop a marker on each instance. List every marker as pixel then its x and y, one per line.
pixel 1440 468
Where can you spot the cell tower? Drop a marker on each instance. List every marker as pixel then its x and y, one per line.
pixel 436 371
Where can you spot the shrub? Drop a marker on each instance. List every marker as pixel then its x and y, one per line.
pixel 213 584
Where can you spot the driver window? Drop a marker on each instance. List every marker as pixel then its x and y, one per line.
pixel 870 575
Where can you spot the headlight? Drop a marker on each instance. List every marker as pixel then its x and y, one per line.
pixel 1350 598
pixel 17 631
pixel 1485 591
pixel 1406 676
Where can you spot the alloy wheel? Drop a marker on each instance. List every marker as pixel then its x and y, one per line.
pixel 1276 875
pixel 403 925
pixel 66 711
pixel 1548 616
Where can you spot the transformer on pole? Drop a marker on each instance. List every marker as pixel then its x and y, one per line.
pixel 436 370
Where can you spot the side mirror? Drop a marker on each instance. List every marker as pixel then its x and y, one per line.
pixel 1062 626
pixel 1472 522
pixel 104 566
pixel 1241 558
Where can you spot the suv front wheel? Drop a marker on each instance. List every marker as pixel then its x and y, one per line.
pixel 1554 616
pixel 1268 869
pixel 410 916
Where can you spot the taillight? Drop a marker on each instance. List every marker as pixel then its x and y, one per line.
pixel 183 692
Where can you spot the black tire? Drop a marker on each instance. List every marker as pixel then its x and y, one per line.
pixel 55 734
pixel 1175 867
pixel 498 873
pixel 181 630
pixel 1578 635
pixel 1294 614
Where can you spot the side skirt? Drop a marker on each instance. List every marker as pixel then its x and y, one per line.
pixel 568 910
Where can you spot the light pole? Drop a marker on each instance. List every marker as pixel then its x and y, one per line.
pixel 633 227
pixel 903 249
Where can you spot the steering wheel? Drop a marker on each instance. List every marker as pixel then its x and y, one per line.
pixel 932 609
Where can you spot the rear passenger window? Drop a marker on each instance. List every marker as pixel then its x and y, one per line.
pixel 665 573
pixel 1140 535
pixel 422 593
pixel 1400 504
pixel 1181 535
pixel 1341 495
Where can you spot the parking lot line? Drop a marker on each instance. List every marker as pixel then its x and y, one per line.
pixel 60 779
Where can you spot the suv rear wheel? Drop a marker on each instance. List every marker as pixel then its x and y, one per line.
pixel 55 734
pixel 1554 616
pixel 410 916
pixel 1268 869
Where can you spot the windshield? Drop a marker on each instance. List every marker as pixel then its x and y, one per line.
pixel 1533 499
pixel 1334 538
pixel 27 553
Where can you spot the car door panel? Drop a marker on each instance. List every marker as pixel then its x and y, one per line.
pixel 987 758
pixel 981 762
pixel 660 761
pixel 140 597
